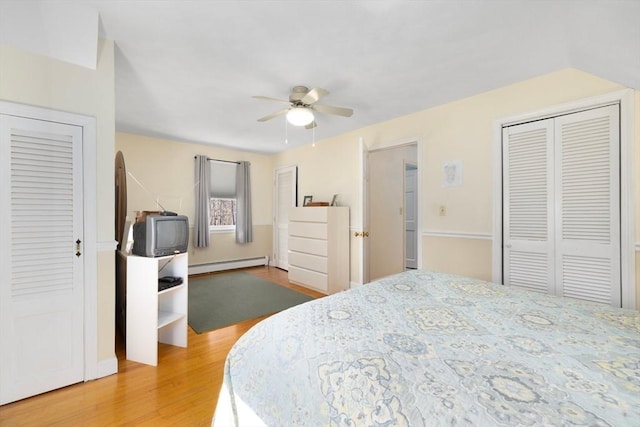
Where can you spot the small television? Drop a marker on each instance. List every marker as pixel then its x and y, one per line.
pixel 161 235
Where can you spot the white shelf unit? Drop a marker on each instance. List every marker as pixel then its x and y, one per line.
pixel 319 248
pixel 154 316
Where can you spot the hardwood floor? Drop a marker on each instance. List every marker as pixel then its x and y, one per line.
pixel 181 391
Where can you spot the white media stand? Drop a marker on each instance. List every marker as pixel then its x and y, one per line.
pixel 154 316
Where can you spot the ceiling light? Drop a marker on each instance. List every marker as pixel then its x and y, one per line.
pixel 300 116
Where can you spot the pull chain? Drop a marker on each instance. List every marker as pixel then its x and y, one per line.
pixel 286 131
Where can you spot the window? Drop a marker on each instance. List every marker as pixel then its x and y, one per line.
pixel 222 203
pixel 223 213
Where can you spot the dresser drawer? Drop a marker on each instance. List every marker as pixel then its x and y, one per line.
pixel 309 246
pixel 309 262
pixel 308 214
pixel 308 278
pixel 314 230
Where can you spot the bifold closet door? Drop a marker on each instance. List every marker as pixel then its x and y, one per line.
pixel 587 188
pixel 41 257
pixel 528 219
pixel 561 198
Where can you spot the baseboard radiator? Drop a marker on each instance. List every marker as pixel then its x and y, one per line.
pixel 228 265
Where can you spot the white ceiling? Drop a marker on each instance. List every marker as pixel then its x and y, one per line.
pixel 187 70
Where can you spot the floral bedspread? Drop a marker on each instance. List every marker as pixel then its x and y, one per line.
pixel 423 348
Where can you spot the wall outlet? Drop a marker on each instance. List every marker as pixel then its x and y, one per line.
pixel 442 210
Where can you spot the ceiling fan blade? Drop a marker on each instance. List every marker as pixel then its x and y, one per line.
pixel 314 95
pixel 266 98
pixel 329 109
pixel 272 115
pixel 311 125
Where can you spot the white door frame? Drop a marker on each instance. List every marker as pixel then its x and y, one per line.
pixel 419 161
pixel 363 200
pixel 404 211
pixel 89 246
pixel 627 245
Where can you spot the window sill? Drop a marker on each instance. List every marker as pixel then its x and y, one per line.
pixel 222 229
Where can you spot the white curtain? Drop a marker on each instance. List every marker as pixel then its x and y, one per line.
pixel 202 179
pixel 244 227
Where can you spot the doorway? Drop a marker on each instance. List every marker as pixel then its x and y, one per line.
pixel 410 216
pixel 388 245
pixel 285 195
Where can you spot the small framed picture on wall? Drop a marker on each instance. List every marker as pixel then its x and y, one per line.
pixel 452 174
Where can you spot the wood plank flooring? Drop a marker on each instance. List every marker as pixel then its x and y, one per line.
pixel 181 391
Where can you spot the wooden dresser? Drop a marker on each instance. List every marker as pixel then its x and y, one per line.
pixel 319 248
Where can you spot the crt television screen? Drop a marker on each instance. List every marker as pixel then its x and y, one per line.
pixel 170 233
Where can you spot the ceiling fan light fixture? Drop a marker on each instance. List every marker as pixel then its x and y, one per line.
pixel 300 116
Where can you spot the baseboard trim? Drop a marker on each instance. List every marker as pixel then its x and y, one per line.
pixel 228 265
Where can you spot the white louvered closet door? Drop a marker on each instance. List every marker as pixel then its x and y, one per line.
pixel 528 206
pixel 41 294
pixel 561 198
pixel 587 152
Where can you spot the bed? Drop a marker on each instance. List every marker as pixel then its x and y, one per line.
pixel 424 348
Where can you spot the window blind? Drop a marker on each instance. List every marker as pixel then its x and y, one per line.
pixel 223 180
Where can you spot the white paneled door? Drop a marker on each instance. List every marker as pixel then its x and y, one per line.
pixel 562 205
pixel 285 193
pixel 41 294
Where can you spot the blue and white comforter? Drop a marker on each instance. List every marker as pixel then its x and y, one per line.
pixel 423 348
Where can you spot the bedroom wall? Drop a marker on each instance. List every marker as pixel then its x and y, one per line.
pixel 165 169
pixel 459 242
pixel 463 130
pixel 330 167
pixel 38 80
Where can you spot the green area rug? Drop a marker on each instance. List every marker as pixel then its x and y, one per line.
pixel 225 299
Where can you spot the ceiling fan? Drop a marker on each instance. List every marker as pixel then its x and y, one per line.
pixel 302 104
